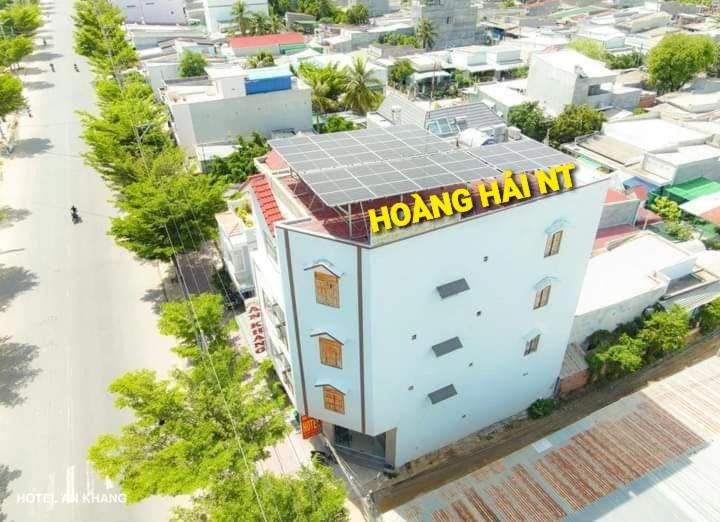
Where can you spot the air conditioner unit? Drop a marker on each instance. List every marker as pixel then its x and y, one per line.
pixel 514 133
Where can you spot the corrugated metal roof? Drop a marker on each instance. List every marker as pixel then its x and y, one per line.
pixel 452 288
pixel 694 298
pixel 446 347
pixel 442 393
pixel 693 189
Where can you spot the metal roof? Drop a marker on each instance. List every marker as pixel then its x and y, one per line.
pixel 452 288
pixel 446 347
pixel 442 393
pixel 349 167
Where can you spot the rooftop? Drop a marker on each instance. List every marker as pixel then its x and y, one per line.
pixel 653 134
pixel 569 61
pixel 241 42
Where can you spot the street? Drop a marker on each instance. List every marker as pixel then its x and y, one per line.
pixel 76 311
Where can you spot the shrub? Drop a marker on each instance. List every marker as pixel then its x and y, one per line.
pixel 600 339
pixel 622 358
pixel 709 317
pixel 664 332
pixel 541 408
pixel 679 230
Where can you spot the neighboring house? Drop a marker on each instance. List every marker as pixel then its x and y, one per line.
pixel 152 12
pixel 233 102
pixel 610 38
pixel 237 240
pixel 567 77
pixel 438 316
pixel 639 273
pixel 218 15
pixel 146 36
pixel 500 59
pixel 499 97
pixel 454 21
pixel 344 61
pixel 162 63
pixel 275 44
pixel 345 39
pixel 374 7
pixel 644 22
pixel 444 118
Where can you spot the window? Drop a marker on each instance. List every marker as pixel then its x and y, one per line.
pixel 542 297
pixel 442 394
pixel 334 399
pixel 532 345
pixel 330 352
pixel 552 246
pixel 448 20
pixel 327 289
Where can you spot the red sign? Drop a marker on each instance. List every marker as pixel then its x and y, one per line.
pixel 310 426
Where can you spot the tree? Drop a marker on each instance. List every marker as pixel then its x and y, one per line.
pixel 239 15
pixel 622 358
pixel 263 58
pixel 462 79
pixel 11 96
pixel 530 119
pixel 361 88
pixel 314 495
pixel 240 164
pixel 192 64
pixel 326 84
pixel 507 4
pixel 624 61
pixel 425 33
pixel 357 15
pixel 336 124
pixel 164 216
pixel 666 209
pixel 186 323
pixel 320 9
pixel 678 58
pixel 575 121
pixel 401 72
pixel 589 48
pixel 21 19
pixel 664 332
pixel 99 36
pixel 276 24
pixel 181 439
pixel 258 24
pixel 13 50
pixel 709 317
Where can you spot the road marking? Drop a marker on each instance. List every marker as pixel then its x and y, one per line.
pixel 108 483
pixel 89 480
pixel 70 484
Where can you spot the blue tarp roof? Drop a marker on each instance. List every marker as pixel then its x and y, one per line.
pixel 263 73
pixel 637 182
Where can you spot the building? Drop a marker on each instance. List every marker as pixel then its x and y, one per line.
pixel 499 97
pixel 567 77
pixel 444 118
pixel 395 340
pixel 498 59
pixel 374 7
pixel 236 240
pixel 275 44
pixel 155 12
pixel 218 13
pixel 233 102
pixel 454 21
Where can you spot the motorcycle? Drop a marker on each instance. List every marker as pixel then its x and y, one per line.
pixel 75 218
pixel 76 67
pixel 52 67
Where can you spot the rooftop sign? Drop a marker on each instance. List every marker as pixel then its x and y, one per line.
pixel 514 188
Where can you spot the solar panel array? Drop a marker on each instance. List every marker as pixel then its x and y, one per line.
pixel 349 167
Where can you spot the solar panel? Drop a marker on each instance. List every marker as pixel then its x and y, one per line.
pixel 519 156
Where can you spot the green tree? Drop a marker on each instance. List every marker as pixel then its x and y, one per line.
pixel 314 495
pixel 167 215
pixel 678 58
pixel 357 15
pixel 666 209
pixel 664 332
pixel 11 96
pixel 362 88
pixel 13 50
pixel 425 33
pixel 327 84
pixel 240 16
pixel 401 72
pixel 262 58
pixel 259 24
pixel 186 323
pixel 709 317
pixel 462 79
pixel 236 167
pixel 507 4
pixel 530 119
pixel 21 19
pixel 192 64
pixel 99 36
pixel 575 121
pixel 624 61
pixel 336 123
pixel 622 358
pixel 276 24
pixel 589 48
pixel 181 439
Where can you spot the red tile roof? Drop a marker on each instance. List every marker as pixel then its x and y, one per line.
pixel 606 235
pixel 614 196
pixel 713 216
pixel 241 42
pixel 266 200
pixel 641 192
pixel 274 161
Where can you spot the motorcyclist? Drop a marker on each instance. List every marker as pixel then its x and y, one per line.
pixel 52 67
pixel 44 41
pixel 74 213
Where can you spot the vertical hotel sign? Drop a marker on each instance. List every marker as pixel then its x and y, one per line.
pixel 310 426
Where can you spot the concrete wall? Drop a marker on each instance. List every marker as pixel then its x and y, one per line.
pixel 627 100
pixel 492 376
pixel 620 213
pixel 153 11
pixel 217 12
pixel 375 7
pixel 553 86
pixel 223 120
pixel 610 317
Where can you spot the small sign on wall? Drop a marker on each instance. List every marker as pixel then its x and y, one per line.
pixel 310 426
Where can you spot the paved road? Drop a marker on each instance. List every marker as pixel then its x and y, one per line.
pixel 77 308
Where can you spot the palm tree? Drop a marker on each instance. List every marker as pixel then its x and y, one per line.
pixel 326 84
pixel 259 24
pixel 239 15
pixel 263 58
pixel 425 33
pixel 277 24
pixel 361 89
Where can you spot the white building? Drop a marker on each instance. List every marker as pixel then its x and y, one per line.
pixel 567 77
pixel 235 102
pixel 152 12
pixel 218 12
pixel 236 239
pixel 396 341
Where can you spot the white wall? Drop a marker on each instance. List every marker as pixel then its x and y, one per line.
pixel 553 86
pixel 217 12
pixel 492 377
pixel 224 119
pixel 152 11
pixel 157 73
